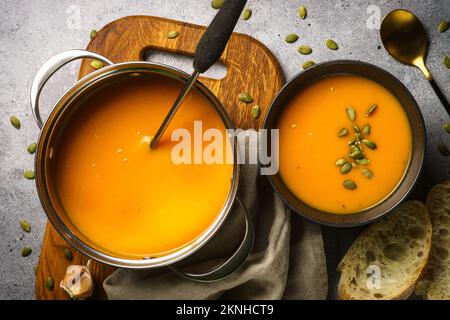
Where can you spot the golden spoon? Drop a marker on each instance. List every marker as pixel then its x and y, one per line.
pixel 404 37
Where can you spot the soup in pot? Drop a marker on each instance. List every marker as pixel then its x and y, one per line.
pixel 120 194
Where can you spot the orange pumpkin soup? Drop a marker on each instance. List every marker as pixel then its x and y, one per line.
pixel 121 195
pixel 313 139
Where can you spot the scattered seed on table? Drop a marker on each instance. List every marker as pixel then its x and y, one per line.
pixel 447 127
pixel 245 97
pixel 443 26
pixel 15 122
pixel 291 38
pixel 256 111
pixel 28 174
pixel 96 64
pixel 26 251
pixel 172 34
pixel 49 283
pixel 93 34
pixel 68 254
pixel 25 225
pixel 247 14
pixel 308 64
pixel 302 12
pixel 443 149
pixel 32 148
pixel 447 62
pixel 331 44
pixel 305 50
pixel 217 4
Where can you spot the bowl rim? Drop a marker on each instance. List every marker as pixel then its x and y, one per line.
pixel 45 133
pixel 353 219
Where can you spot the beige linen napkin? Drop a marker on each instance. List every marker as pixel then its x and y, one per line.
pixel 287 260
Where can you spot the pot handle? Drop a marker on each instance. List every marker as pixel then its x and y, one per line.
pixel 233 263
pixel 49 68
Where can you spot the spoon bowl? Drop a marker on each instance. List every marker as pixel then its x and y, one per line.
pixel 405 38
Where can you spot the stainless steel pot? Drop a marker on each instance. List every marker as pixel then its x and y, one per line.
pixel 61 112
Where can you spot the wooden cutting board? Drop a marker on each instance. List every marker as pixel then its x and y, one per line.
pixel 251 68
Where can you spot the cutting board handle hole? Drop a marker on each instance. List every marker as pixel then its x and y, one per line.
pixel 184 62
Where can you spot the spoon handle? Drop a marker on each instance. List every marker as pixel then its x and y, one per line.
pixel 214 40
pixel 440 95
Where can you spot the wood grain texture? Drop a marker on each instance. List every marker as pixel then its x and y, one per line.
pixel 251 68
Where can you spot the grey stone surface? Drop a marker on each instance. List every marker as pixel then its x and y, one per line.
pixel 33 31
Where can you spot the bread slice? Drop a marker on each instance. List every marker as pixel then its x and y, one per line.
pixel 386 260
pixel 435 284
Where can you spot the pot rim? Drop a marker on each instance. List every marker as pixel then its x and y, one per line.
pixel 40 159
pixel 417 151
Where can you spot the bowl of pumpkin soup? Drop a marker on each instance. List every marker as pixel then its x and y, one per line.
pixel 112 197
pixel 351 142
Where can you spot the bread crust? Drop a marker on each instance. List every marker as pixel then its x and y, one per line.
pixel 436 285
pixel 344 291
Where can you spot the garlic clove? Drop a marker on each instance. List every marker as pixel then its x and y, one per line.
pixel 78 282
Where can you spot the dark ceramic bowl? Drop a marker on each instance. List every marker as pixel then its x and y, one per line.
pixel 388 81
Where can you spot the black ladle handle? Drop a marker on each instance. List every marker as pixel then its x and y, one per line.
pixel 440 95
pixel 214 40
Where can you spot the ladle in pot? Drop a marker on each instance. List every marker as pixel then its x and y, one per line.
pixel 208 51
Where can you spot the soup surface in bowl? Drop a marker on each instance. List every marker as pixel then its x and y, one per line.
pixel 318 138
pixel 119 194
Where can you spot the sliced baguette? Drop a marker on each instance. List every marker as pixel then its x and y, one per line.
pixel 397 247
pixel 435 284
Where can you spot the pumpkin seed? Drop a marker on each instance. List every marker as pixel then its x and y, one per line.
pixel 291 38
pixel 26 251
pixel 359 136
pixel 308 64
pixel 340 162
pixel 32 148
pixel 15 122
pixel 217 4
pixel 367 173
pixel 343 132
pixel 447 62
pixel 447 127
pixel 352 142
pixel 350 185
pixel 96 64
pixel 443 26
pixel 304 49
pixel 356 129
pixel 372 145
pixel 93 34
pixel 371 110
pixel 68 254
pixel 25 225
pixel 355 148
pixel 247 14
pixel 245 97
pixel 256 111
pixel 172 34
pixel 443 149
pixel 362 161
pixel 28 174
pixel 346 168
pixel 357 154
pixel 49 283
pixel 366 129
pixel 351 113
pixel 302 12
pixel 331 44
